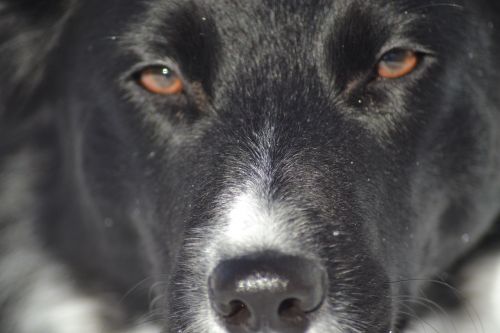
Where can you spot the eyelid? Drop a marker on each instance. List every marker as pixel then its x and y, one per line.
pixel 405 45
pixel 143 65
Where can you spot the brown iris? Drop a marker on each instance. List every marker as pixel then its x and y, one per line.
pixel 397 63
pixel 160 80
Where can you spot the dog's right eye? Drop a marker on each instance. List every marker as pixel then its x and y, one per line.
pixel 397 63
pixel 160 80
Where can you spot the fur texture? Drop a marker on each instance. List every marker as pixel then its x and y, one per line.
pixel 116 204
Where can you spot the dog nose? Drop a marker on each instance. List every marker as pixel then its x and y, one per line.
pixel 268 291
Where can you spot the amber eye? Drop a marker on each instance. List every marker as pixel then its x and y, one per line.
pixel 160 80
pixel 397 63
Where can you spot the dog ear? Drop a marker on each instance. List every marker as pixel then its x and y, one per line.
pixel 29 29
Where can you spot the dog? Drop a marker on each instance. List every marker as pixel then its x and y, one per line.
pixel 227 166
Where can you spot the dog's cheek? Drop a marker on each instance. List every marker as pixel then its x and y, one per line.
pixel 453 165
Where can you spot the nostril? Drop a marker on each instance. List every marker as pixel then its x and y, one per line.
pixel 239 313
pixel 291 310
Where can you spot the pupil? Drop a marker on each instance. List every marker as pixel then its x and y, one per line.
pixel 397 56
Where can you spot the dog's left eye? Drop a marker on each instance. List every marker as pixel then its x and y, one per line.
pixel 160 80
pixel 397 63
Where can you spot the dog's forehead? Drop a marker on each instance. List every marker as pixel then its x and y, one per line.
pixel 290 9
pixel 287 17
pixel 253 29
pixel 246 27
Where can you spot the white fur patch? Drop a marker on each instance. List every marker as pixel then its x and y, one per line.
pixel 252 224
pixel 145 329
pixel 55 306
pixel 60 311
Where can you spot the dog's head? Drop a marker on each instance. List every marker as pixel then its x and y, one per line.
pixel 287 166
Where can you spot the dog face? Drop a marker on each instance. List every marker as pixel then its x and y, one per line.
pixel 281 166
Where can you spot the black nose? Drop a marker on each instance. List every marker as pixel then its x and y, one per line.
pixel 267 291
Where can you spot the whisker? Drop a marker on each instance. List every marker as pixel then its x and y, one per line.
pixel 424 324
pixel 469 308
pixel 133 289
pixel 442 4
pixel 432 306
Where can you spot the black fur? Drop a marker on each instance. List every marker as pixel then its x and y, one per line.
pixel 126 180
